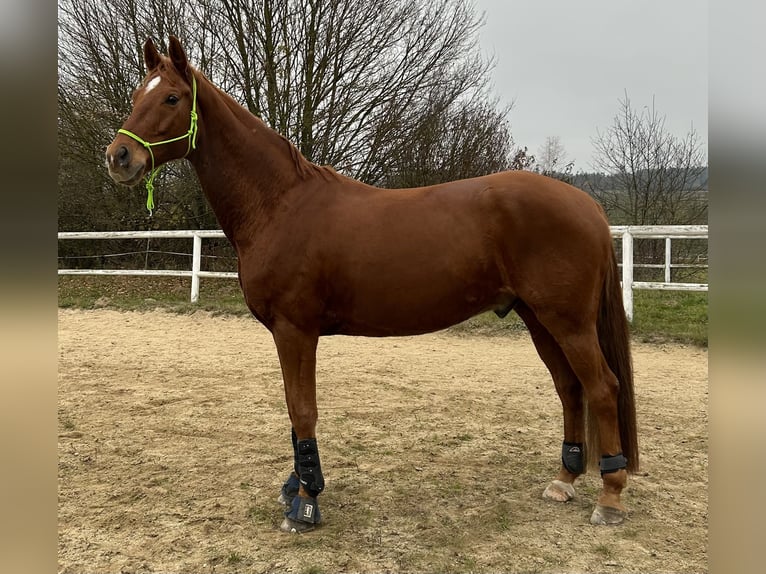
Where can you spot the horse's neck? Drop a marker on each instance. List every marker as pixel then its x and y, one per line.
pixel 244 167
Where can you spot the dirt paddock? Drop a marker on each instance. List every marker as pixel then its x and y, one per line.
pixel 174 441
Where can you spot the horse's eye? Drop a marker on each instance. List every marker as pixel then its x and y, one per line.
pixel 172 100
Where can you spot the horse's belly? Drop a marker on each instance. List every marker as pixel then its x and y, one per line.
pixel 407 307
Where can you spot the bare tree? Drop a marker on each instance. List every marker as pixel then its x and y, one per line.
pixel 522 159
pixel 343 79
pixel 656 177
pixel 653 178
pixel 461 141
pixel 552 158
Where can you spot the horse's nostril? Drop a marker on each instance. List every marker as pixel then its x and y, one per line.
pixel 123 156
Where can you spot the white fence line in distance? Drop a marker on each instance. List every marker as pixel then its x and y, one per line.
pixel 626 232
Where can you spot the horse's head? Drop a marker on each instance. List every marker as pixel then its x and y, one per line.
pixel 163 124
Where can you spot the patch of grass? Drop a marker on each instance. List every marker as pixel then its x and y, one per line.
pixel 127 293
pixel 678 316
pixel 630 533
pixel 502 515
pixel 231 559
pixel 234 558
pixel 604 550
pixel 468 564
pixel 259 514
pixel 451 488
pixel 490 324
pixel 659 316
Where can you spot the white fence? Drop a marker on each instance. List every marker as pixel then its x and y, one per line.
pixel 626 232
pixel 667 232
pixel 195 236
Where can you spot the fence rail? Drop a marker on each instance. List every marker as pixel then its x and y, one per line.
pixel 668 232
pixel 626 233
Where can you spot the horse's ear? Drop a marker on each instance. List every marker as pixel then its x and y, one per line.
pixel 178 57
pixel 151 55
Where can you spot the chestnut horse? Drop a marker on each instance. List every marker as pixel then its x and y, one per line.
pixel 322 254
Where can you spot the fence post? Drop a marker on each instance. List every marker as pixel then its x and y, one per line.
pixel 196 260
pixel 627 273
pixel 668 254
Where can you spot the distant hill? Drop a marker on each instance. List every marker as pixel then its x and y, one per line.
pixel 592 180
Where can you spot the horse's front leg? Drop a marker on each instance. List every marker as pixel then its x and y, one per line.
pixel 297 356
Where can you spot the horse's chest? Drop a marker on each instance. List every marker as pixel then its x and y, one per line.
pixel 278 288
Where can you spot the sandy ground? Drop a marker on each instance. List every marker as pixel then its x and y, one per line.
pixel 174 441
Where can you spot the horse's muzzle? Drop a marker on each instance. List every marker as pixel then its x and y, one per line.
pixel 123 165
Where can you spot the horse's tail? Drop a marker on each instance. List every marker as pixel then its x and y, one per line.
pixel 614 338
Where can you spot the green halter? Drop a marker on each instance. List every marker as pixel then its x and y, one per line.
pixel 191 134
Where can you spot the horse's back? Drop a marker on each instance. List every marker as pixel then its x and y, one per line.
pixel 512 216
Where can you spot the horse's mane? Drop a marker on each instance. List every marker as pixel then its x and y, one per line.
pixel 303 166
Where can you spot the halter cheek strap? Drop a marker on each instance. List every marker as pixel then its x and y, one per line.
pixel 191 135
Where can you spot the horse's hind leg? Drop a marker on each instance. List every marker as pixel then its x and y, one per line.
pixel 561 488
pixel 578 339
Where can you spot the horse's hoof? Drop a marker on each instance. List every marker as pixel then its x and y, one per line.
pixel 295 527
pixel 607 516
pixel 303 515
pixel 559 491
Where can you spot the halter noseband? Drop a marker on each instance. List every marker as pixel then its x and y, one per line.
pixel 191 134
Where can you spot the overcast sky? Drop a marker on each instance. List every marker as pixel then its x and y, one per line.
pixel 565 65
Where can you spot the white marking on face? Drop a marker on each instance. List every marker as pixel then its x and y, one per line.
pixel 153 83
